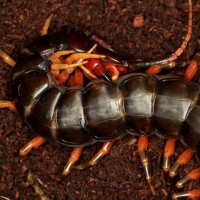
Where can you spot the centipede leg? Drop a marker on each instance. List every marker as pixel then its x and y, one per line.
pixel 6 58
pixel 62 77
pixel 7 104
pixel 87 73
pixel 192 194
pixel 34 143
pixel 122 70
pixel 71 82
pixel 105 149
pixel 81 56
pixel 55 58
pixel 189 73
pixel 75 155
pixel 183 159
pixel 112 70
pixel 155 69
pixel 168 152
pixel 76 78
pixel 79 77
pixel 46 25
pixel 192 68
pixel 191 176
pixel 59 64
pixel 142 148
pixel 65 75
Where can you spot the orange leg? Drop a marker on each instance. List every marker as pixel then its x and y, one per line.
pixel 95 66
pixel 112 70
pixel 55 73
pixel 191 176
pixel 62 78
pixel 7 104
pixel 71 81
pixel 122 70
pixel 193 66
pixel 46 25
pixel 55 58
pixel 168 152
pixel 183 159
pixel 64 75
pixel 69 68
pixel 79 56
pixel 75 155
pixel 79 80
pixel 34 143
pixel 155 69
pixel 76 79
pixel 87 73
pixel 105 149
pixel 7 59
pixel 192 194
pixel 142 148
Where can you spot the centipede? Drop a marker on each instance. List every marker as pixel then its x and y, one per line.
pixel 74 89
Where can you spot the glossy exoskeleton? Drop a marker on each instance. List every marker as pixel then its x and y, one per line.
pixel 102 111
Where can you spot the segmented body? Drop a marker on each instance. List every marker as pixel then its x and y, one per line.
pixel 77 116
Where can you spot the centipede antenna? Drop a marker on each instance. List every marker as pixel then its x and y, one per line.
pixel 180 50
pixel 176 54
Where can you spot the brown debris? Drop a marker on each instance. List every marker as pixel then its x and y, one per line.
pixel 34 182
pixel 139 21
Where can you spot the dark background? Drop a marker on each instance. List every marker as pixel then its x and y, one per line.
pixel 120 174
